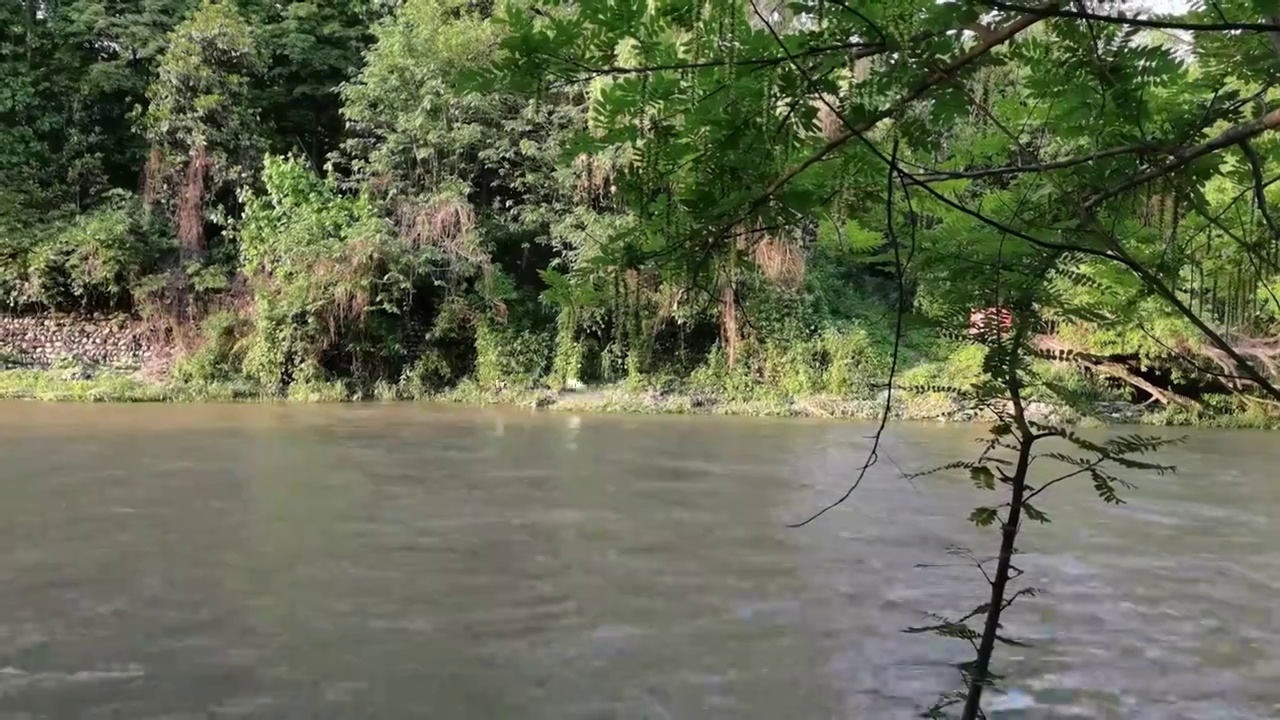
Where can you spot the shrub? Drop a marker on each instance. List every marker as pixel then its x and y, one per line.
pixel 510 355
pixel 959 369
pixel 220 353
pixel 427 375
pixel 90 261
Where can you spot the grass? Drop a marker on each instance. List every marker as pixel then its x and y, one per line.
pixel 638 400
pixel 61 386
pixel 77 384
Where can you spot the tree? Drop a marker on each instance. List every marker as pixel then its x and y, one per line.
pixel 309 50
pixel 1033 157
pixel 204 141
pixel 473 172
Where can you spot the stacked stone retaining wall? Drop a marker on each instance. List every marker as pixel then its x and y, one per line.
pixel 44 340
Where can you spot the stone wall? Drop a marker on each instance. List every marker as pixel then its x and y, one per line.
pixel 42 340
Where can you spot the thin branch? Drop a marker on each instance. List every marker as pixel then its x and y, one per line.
pixel 992 222
pixel 860 50
pixel 1157 285
pixel 1218 215
pixel 1118 254
pixel 1008 530
pixel 1249 254
pixel 872 455
pixel 1060 478
pixel 866 20
pixel 1232 136
pixel 944 175
pixel 1045 12
pixel 899 273
pixel 1190 360
pixel 1259 197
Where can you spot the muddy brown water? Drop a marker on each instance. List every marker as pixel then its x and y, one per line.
pixel 406 561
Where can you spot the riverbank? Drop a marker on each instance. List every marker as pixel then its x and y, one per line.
pixel 903 405
pixel 82 384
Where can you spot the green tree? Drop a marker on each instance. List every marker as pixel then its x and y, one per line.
pixel 473 172
pixel 309 50
pixel 205 140
pixel 327 273
pixel 1029 157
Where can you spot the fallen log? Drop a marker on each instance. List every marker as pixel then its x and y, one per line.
pixel 1165 396
pixel 1054 349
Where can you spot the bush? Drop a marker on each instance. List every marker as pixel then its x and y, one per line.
pixel 328 272
pixel 844 360
pixel 91 261
pixel 319 391
pixel 426 376
pixel 220 354
pixel 566 365
pixel 960 369
pixel 506 355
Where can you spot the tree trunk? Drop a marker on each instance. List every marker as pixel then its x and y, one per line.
pixel 729 333
pixel 978 679
pixel 729 323
pixel 31 12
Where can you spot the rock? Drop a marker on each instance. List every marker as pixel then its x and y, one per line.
pixel 1118 412
pixel 98 338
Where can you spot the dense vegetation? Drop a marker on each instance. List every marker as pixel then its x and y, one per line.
pixel 348 197
pixel 735 198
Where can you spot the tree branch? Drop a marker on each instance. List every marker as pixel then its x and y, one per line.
pixel 1232 136
pixel 1157 285
pixel 1259 197
pixel 1118 253
pixel 998 37
pixel 1136 21
pixel 944 175
pixel 873 455
pixel 860 50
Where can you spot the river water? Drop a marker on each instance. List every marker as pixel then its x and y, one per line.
pixel 409 561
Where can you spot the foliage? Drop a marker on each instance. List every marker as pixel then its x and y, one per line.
pixel 800 208
pixel 91 260
pixel 507 355
pixel 619 181
pixel 1036 164
pixel 201 91
pixel 429 374
pixel 220 354
pixel 199 122
pixel 328 276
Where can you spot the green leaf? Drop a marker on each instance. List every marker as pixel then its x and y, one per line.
pixel 848 235
pixel 983 477
pixel 1266 7
pixel 983 516
pixel 1033 513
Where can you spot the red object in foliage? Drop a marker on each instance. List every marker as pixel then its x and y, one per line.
pixel 988 319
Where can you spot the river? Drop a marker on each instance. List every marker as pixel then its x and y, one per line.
pixel 401 561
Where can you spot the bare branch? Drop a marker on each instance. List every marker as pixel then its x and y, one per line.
pixel 1068 476
pixel 899 273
